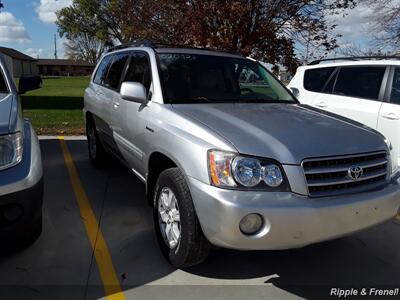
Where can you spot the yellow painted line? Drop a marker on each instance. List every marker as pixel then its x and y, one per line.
pixel 108 275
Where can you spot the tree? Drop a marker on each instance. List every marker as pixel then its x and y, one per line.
pixel 386 21
pixel 84 47
pixel 267 30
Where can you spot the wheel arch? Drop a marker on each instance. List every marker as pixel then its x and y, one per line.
pixel 157 163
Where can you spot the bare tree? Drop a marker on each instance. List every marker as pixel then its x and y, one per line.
pixel 386 23
pixel 84 47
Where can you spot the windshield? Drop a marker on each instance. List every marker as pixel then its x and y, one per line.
pixel 198 78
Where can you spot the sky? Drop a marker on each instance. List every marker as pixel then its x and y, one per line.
pixel 29 27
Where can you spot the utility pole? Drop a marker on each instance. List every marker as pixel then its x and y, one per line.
pixel 55 46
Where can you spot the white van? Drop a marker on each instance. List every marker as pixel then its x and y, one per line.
pixel 364 89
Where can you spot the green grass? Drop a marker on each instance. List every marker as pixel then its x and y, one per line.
pixel 56 121
pixel 56 108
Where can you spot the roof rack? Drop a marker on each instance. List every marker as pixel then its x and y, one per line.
pixel 353 58
pixel 155 45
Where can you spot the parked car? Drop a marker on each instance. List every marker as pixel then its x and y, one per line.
pixel 364 89
pixel 233 162
pixel 21 175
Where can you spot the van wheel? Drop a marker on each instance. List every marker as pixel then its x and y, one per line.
pixel 178 229
pixel 96 150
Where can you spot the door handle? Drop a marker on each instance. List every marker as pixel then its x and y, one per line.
pixel 321 104
pixel 391 116
pixel 116 104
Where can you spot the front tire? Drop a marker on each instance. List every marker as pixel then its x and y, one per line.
pixel 97 154
pixel 177 227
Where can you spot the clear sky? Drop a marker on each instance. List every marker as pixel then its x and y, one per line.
pixel 28 26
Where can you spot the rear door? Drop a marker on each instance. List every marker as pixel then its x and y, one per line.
pixel 309 83
pixel 99 105
pixel 389 115
pixel 355 92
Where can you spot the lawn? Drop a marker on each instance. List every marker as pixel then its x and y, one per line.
pixel 56 108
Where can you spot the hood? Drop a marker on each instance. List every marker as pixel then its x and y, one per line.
pixel 287 133
pixel 5 111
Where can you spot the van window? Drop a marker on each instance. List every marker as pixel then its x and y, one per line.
pixel 360 82
pixel 115 72
pixel 102 70
pixel 315 79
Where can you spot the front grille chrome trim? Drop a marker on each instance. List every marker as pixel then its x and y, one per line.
pixel 328 176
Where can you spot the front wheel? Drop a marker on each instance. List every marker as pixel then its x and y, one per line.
pixel 178 229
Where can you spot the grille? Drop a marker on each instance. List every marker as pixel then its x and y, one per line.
pixel 330 176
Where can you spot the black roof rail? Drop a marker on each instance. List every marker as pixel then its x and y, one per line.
pixel 155 45
pixel 134 43
pixel 353 58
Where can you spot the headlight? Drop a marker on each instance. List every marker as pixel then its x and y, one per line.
pixel 272 175
pixel 247 171
pixel 11 148
pixel 231 170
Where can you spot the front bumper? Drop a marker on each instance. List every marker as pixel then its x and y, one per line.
pixel 291 220
pixel 21 190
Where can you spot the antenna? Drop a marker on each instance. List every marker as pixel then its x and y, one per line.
pixel 55 46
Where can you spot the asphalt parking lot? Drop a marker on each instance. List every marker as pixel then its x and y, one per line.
pixel 98 242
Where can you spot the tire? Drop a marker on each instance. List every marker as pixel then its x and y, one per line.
pixel 34 232
pixel 97 154
pixel 192 247
pixel 19 242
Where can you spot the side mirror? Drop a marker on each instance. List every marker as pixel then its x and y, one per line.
pixel 295 92
pixel 29 83
pixel 133 91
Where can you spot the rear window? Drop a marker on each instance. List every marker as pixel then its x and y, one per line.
pixel 315 79
pixel 359 82
pixel 101 72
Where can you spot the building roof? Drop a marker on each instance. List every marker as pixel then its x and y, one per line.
pixel 16 54
pixel 63 62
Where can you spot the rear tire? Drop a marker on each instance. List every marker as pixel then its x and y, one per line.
pixel 97 154
pixel 186 246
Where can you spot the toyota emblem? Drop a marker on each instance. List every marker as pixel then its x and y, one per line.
pixel 355 172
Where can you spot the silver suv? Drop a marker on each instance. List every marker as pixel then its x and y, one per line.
pixel 228 155
pixel 21 176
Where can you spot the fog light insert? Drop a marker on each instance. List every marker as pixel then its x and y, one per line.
pixel 11 213
pixel 251 224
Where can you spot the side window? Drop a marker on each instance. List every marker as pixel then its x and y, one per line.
pixel 116 69
pixel 3 85
pixel 102 70
pixel 315 79
pixel 360 82
pixel 139 70
pixel 395 94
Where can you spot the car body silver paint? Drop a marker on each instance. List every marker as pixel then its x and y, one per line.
pixel 288 133
pixel 283 132
pixel 290 220
pixel 29 171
